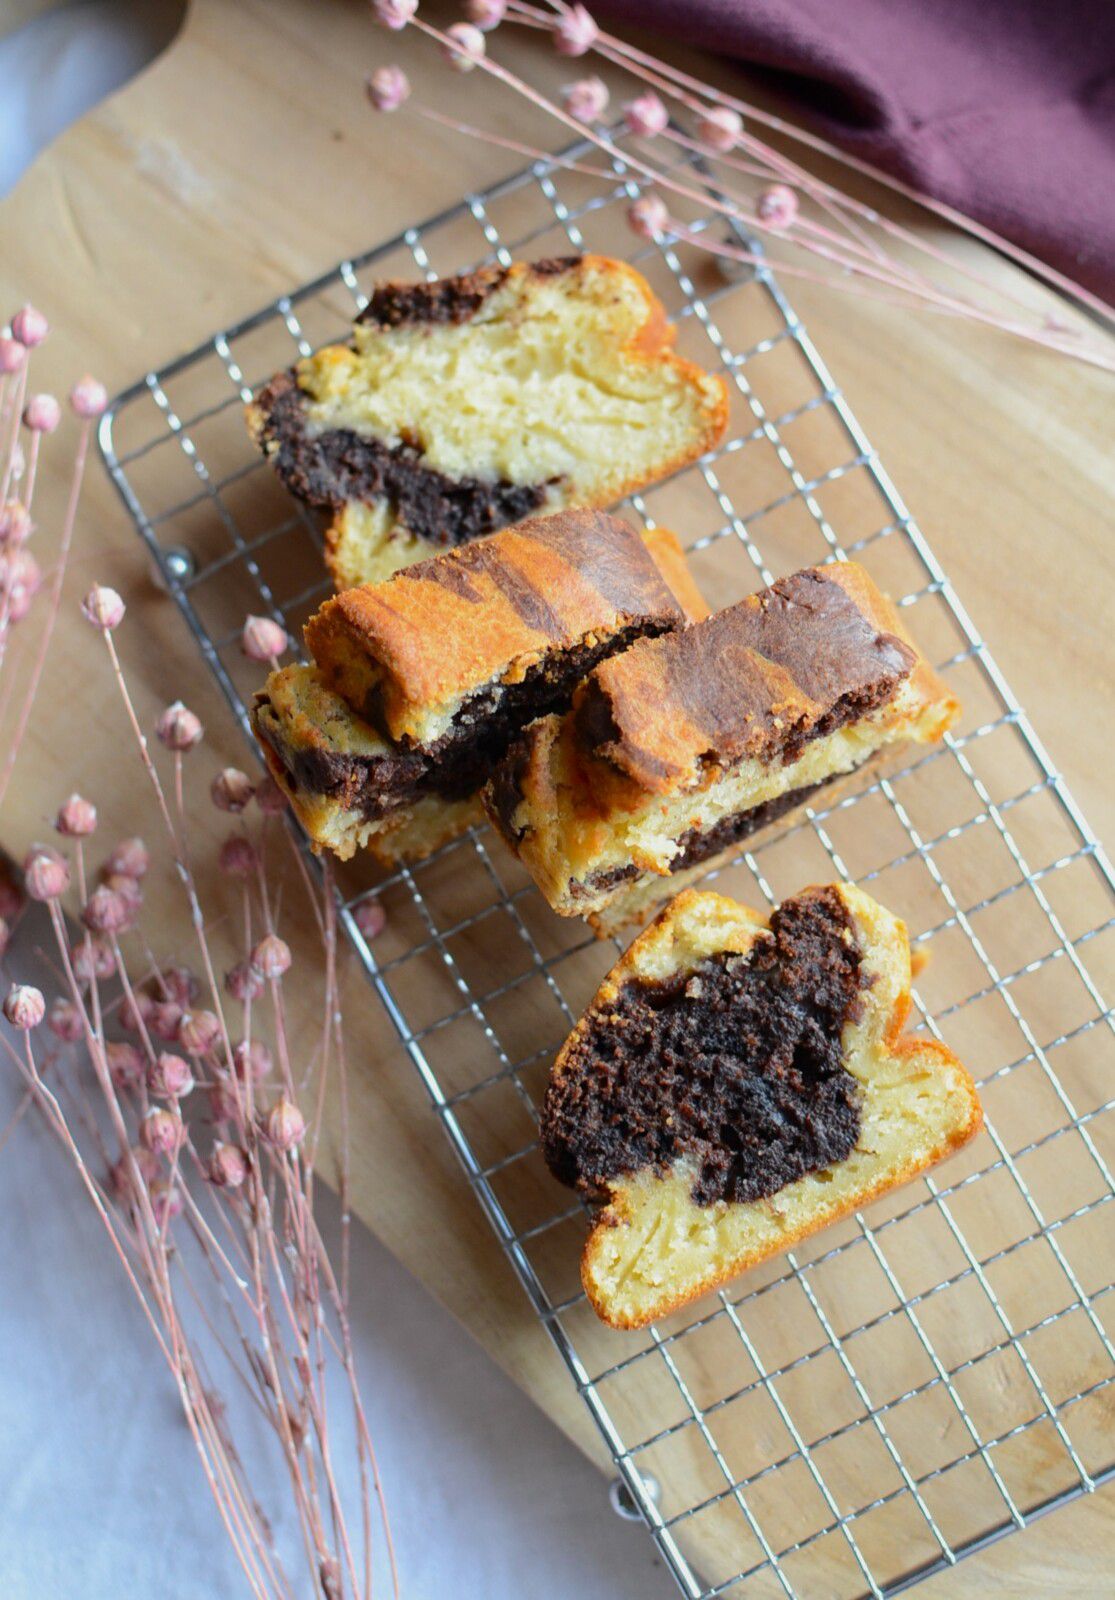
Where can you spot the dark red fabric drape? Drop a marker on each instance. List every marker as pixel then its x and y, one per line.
pixel 1003 108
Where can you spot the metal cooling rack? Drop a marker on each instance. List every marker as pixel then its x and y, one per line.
pixel 925 1377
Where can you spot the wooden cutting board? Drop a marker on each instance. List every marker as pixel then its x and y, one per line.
pixel 245 161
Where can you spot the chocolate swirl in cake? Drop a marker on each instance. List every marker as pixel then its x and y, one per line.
pixel 793 663
pixel 329 467
pixel 734 1067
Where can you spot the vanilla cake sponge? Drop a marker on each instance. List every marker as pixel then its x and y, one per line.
pixel 739 1082
pixel 469 403
pixel 334 767
pixel 419 683
pixel 680 749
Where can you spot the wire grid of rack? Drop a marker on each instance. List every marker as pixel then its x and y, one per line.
pixel 922 1378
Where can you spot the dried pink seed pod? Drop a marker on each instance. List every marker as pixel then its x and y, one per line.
pixel 103 607
pixel 178 984
pixel 370 918
pixel 139 1164
pixel 30 327
pixel 166 1202
pixel 160 1131
pixel 586 100
pixel 164 1019
pixel 238 857
pixel 228 1166
pixel 646 115
pixel 387 88
pixel 64 1021
pixel 394 14
pixel 130 858
pixel 178 728
pixel 128 889
pixel 485 14
pixel 170 1077
pixel 92 957
pixel 648 216
pixel 777 206
pixel 15 523
pixel 199 1032
pixel 24 1006
pixel 135 1012
pixel 243 982
pixel 125 1064
pixel 252 1059
pixel 719 128
pixel 285 1126
pixel 270 798
pixel 12 355
pixel 576 32
pixel 105 911
pixel 231 790
pixel 42 413
pixel 263 640
pixel 271 957
pixel 223 1106
pixel 20 579
pixel 77 817
pixel 464 46
pixel 45 873
pixel 88 397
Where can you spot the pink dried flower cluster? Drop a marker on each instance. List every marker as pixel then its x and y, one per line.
pixel 464 46
pixel 646 115
pixel 648 216
pixel 486 14
pixel 42 413
pixel 263 640
pixel 231 790
pixel 24 1006
pixel 586 100
pixel 103 608
pixel 387 88
pixel 575 32
pixel 158 1189
pixel 178 728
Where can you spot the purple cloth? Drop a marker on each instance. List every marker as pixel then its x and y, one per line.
pixel 1003 108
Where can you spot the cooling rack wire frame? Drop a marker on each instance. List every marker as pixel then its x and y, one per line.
pixel 923 1378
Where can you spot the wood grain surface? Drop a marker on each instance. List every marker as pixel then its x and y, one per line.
pixel 245 161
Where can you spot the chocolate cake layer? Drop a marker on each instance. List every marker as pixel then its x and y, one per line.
pixel 337 465
pixel 735 1067
pixel 460 761
pixel 791 664
pixel 446 300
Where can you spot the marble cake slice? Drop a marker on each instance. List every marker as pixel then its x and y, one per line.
pixel 677 751
pixel 419 683
pixel 464 405
pixel 738 1083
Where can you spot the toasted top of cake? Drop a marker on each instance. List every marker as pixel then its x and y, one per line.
pixel 788 664
pixel 408 651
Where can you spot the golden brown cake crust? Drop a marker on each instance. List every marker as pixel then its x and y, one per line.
pixel 748 679
pixel 445 627
pixel 792 689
